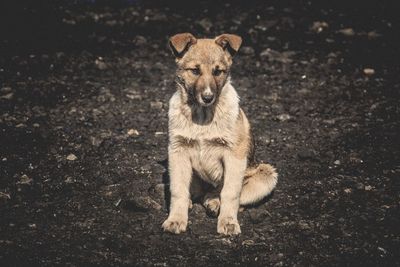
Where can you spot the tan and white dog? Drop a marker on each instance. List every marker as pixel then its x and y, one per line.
pixel 211 152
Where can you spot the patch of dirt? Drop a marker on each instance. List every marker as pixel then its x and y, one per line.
pixel 84 90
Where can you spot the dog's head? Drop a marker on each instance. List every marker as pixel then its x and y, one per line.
pixel 203 65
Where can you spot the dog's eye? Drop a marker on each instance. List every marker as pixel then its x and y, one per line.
pixel 195 71
pixel 217 72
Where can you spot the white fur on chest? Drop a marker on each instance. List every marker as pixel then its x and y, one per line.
pixel 205 156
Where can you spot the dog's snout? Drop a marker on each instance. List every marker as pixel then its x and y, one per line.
pixel 207 98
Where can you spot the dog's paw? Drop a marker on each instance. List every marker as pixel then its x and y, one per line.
pixel 228 226
pixel 174 225
pixel 212 206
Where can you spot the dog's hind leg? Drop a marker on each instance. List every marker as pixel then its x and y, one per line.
pixel 212 202
pixel 258 182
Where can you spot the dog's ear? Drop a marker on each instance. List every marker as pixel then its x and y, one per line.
pixel 180 43
pixel 229 42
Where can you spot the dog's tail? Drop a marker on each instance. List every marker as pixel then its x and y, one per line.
pixel 258 182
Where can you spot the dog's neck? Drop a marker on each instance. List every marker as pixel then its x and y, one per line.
pixel 226 106
pixel 203 115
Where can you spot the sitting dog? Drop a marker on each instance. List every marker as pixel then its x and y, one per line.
pixel 211 151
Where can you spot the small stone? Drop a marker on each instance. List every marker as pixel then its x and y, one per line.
pixel 369 71
pixel 354 158
pixel 133 132
pixel 7 96
pixel 373 35
pixel 134 96
pixel 69 180
pixel 304 225
pixel 329 121
pixel 156 104
pixel 284 117
pixel 32 225
pixel 267 141
pixel 347 31
pixel 319 26
pixel 25 180
pixel 368 188
pixel 347 190
pixel 5 90
pixel 72 157
pixel 96 141
pixel 248 242
pixel 4 195
pixel 116 203
pixel 336 162
pixel 100 64
pixel 382 250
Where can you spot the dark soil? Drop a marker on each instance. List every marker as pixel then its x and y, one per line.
pixel 84 89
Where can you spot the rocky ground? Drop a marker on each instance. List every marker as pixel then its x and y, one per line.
pixel 84 89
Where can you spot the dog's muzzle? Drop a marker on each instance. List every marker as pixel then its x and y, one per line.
pixel 207 98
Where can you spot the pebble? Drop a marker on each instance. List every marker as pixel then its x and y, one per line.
pixel 100 64
pixel 5 196
pixel 368 188
pixel 304 225
pixel 369 71
pixel 5 90
pixel 72 157
pixel 347 31
pixel 248 242
pixel 133 132
pixel 25 180
pixel 7 96
pixel 319 26
pixel 96 141
pixel 156 104
pixel 284 117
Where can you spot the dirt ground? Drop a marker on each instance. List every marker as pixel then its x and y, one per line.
pixel 84 90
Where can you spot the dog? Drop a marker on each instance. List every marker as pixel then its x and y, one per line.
pixel 211 149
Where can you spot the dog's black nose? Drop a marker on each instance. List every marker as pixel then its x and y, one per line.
pixel 207 98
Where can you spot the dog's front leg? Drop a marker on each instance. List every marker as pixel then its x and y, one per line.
pixel 234 170
pixel 180 173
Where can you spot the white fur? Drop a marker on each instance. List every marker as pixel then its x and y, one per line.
pixel 210 162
